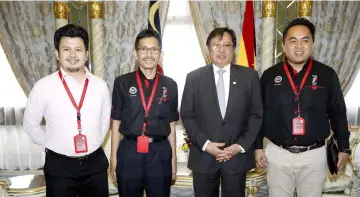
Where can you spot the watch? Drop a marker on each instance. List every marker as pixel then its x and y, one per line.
pixel 348 151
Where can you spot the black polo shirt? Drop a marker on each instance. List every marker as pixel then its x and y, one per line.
pixel 127 106
pixel 321 101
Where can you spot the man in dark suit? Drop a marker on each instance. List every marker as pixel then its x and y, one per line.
pixel 222 113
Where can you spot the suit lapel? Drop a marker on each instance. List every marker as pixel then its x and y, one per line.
pixel 233 89
pixel 210 83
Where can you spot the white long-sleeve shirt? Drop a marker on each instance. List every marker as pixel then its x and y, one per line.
pixel 49 99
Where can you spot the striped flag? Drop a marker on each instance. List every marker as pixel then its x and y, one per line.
pixel 154 24
pixel 246 55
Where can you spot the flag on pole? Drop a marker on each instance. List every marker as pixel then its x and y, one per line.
pixel 154 24
pixel 246 55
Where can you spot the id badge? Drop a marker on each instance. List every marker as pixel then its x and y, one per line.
pixel 298 126
pixel 80 143
pixel 143 144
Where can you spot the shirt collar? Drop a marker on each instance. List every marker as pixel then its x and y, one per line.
pixel 142 76
pixel 226 68
pixel 294 71
pixel 64 74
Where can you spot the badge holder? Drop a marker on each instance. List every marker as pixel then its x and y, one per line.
pixel 80 143
pixel 298 123
pixel 143 143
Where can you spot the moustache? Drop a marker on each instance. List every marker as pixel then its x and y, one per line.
pixel 148 59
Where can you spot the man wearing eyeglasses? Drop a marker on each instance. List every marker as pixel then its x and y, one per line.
pixel 221 110
pixel 144 111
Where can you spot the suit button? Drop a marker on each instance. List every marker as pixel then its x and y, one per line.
pixel 223 123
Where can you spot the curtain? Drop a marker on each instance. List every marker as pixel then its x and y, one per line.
pixel 208 15
pixel 337 38
pixel 17 152
pixel 26 35
pixel 122 22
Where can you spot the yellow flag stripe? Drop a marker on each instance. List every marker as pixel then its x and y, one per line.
pixel 242 57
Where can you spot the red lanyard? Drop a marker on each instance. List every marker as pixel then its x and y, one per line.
pixel 147 107
pixel 297 93
pixel 78 108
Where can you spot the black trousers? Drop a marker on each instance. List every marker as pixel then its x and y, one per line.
pixel 207 185
pixel 69 177
pixel 136 172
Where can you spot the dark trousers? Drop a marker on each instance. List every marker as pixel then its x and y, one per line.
pixel 207 185
pixel 136 172
pixel 71 177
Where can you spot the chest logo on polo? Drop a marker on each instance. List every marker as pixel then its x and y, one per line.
pixel 164 96
pixel 278 80
pixel 314 81
pixel 132 90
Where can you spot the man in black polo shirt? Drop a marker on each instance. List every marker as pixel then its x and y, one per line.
pixel 300 96
pixel 144 112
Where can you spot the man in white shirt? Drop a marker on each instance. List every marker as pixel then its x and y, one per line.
pixel 221 110
pixel 76 106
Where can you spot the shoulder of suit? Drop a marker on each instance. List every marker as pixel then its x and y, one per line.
pixel 244 69
pixel 199 71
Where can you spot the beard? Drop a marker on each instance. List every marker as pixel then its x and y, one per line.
pixel 72 70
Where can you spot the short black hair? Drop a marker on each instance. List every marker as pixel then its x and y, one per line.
pixel 300 21
pixel 147 33
pixel 72 31
pixel 220 32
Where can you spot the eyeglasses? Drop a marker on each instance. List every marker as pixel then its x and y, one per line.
pixel 217 47
pixel 145 50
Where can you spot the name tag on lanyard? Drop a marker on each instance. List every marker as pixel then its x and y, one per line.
pixel 298 126
pixel 298 123
pixel 143 144
pixel 80 141
pixel 143 140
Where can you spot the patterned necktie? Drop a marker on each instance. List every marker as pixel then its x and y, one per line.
pixel 221 92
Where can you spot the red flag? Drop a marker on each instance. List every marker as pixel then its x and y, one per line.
pixel 246 55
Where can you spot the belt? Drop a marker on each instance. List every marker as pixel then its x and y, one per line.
pixel 152 139
pixel 300 149
pixel 80 158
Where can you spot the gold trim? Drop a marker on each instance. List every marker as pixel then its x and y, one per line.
pixel 61 10
pixel 11 62
pixel 196 19
pixel 27 191
pixel 304 8
pixel 268 9
pixel 152 11
pixel 96 10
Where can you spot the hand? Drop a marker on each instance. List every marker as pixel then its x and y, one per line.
pixel 113 163
pixel 174 167
pixel 343 158
pixel 260 158
pixel 214 148
pixel 229 152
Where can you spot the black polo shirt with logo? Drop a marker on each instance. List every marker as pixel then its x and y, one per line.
pixel 128 108
pixel 321 100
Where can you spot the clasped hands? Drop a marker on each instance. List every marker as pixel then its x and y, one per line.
pixel 225 154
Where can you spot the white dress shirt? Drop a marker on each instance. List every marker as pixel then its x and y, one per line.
pixel 49 99
pixel 226 77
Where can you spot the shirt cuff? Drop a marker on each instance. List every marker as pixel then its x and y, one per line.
pixel 206 143
pixel 242 149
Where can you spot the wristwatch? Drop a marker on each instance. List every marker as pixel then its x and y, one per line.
pixel 348 151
